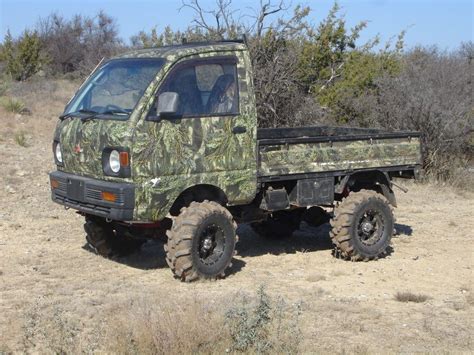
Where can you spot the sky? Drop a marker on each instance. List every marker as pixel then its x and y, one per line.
pixel 445 23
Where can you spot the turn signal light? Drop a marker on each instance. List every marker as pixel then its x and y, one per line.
pixel 109 196
pixel 124 159
pixel 54 184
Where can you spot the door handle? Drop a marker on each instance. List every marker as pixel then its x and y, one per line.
pixel 239 130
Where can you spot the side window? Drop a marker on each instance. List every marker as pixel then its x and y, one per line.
pixel 205 89
pixel 207 75
pixel 221 93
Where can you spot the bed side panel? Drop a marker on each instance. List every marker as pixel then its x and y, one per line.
pixel 283 159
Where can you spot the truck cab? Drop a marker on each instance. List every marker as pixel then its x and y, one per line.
pixel 164 141
pixel 120 159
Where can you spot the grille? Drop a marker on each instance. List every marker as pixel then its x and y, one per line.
pixel 62 185
pixel 95 194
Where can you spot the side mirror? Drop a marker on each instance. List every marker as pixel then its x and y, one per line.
pixel 167 106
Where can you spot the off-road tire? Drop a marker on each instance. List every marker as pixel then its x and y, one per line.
pixel 362 226
pixel 201 242
pixel 280 225
pixel 103 239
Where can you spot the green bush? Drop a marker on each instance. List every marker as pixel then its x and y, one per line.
pixel 23 56
pixel 264 326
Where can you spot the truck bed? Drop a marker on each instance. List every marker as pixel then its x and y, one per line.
pixel 283 152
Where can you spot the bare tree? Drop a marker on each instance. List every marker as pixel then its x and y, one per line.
pixel 222 16
pixel 272 38
pixel 79 43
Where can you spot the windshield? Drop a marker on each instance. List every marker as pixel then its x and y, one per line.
pixel 116 87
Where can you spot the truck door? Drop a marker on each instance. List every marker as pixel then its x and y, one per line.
pixel 213 139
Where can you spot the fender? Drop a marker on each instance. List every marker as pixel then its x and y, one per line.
pixel 373 180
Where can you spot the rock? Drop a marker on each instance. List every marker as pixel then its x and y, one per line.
pixel 10 189
pixel 25 112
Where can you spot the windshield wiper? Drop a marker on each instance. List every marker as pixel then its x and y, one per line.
pixel 108 112
pixel 74 113
pixel 92 114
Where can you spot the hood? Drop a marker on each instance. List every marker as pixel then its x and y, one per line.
pixel 82 143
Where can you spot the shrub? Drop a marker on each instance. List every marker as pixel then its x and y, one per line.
pixel 23 57
pixel 249 327
pixel 264 325
pixel 432 94
pixel 13 105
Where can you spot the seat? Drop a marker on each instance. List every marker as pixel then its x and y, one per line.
pixel 218 91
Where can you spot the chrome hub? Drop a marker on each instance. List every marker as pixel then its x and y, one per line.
pixel 367 227
pixel 207 244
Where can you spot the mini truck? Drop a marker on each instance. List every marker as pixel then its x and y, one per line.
pixel 163 143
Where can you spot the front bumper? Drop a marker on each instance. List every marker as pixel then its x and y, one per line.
pixel 85 195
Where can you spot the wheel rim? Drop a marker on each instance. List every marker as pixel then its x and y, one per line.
pixel 211 244
pixel 370 227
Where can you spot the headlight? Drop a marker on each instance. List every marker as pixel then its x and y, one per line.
pixel 114 161
pixel 57 153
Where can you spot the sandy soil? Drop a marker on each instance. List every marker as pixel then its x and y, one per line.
pixel 347 307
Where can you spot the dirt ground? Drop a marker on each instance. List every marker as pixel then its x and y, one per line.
pixel 346 307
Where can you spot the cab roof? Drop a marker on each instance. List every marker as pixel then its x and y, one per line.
pixel 176 51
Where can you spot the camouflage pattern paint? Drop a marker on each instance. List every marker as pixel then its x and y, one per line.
pixel 340 155
pixel 82 144
pixel 169 156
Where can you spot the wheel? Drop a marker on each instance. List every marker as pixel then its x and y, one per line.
pixel 281 224
pixel 362 226
pixel 316 216
pixel 201 241
pixel 107 241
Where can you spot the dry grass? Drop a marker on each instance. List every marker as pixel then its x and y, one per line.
pixel 20 139
pixel 254 323
pixel 411 297
pixel 13 105
pixel 315 278
pixel 460 177
pixel 4 86
pixel 45 98
pixel 166 328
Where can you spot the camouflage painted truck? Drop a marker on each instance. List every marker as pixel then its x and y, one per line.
pixel 164 142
